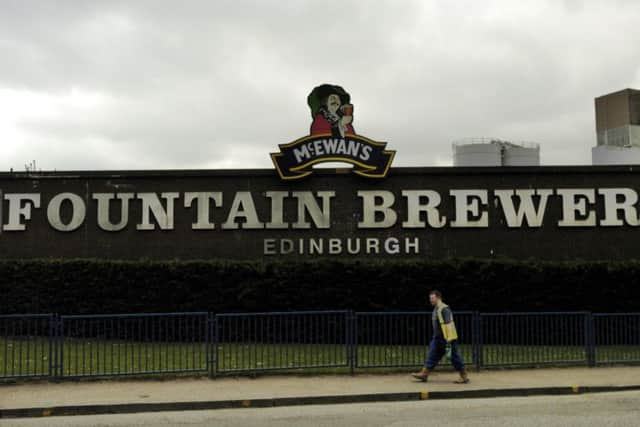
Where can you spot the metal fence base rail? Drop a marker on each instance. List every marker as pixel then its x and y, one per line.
pixel 130 344
pixel 534 339
pixel 52 346
pixel 401 339
pixel 26 345
pixel 282 341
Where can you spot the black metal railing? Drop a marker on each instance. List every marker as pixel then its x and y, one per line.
pixel 48 345
pixel 512 339
pixel 616 337
pixel 277 341
pixel 400 339
pixel 132 344
pixel 26 345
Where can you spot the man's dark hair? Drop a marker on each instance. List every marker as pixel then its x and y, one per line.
pixel 436 293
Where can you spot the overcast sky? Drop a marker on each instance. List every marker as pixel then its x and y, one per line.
pixel 216 84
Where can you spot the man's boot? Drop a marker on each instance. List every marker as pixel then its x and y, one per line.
pixel 464 378
pixel 423 375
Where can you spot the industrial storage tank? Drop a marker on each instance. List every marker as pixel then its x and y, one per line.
pixel 612 155
pixel 476 152
pixel 522 154
pixel 495 152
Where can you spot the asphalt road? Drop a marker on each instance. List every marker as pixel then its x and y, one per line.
pixel 610 409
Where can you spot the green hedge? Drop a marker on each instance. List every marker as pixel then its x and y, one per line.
pixel 98 286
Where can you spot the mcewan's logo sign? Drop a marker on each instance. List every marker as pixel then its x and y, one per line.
pixel 332 139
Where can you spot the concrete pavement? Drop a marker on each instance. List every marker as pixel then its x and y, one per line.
pixel 193 393
pixel 588 410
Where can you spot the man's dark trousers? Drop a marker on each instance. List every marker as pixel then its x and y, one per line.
pixel 437 350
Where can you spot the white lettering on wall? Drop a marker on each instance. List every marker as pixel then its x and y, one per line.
pixel 277 210
pixel 269 246
pixel 575 212
pixel 307 203
pixel 612 206
pixel 242 207
pixel 526 209
pixel 104 203
pixel 370 208
pixel 392 245
pixel 151 205
pixel 78 211
pixel 335 246
pixel 19 211
pixel 415 207
pixel 412 245
pixel 466 208
pixel 468 204
pixel 203 214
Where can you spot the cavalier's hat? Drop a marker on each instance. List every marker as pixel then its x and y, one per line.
pixel 320 93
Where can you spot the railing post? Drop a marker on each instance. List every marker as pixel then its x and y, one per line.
pixel 212 345
pixel 52 337
pixel 60 347
pixel 590 339
pixel 477 340
pixel 352 342
pixel 55 347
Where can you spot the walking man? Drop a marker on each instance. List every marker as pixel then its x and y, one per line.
pixel 444 341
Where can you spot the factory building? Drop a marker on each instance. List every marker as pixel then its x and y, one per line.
pixel 617 128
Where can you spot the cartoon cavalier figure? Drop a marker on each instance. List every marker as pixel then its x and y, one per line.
pixel 331 111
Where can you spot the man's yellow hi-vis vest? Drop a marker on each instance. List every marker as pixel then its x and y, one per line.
pixel 448 329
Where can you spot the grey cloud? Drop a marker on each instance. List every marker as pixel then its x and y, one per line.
pixel 220 84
